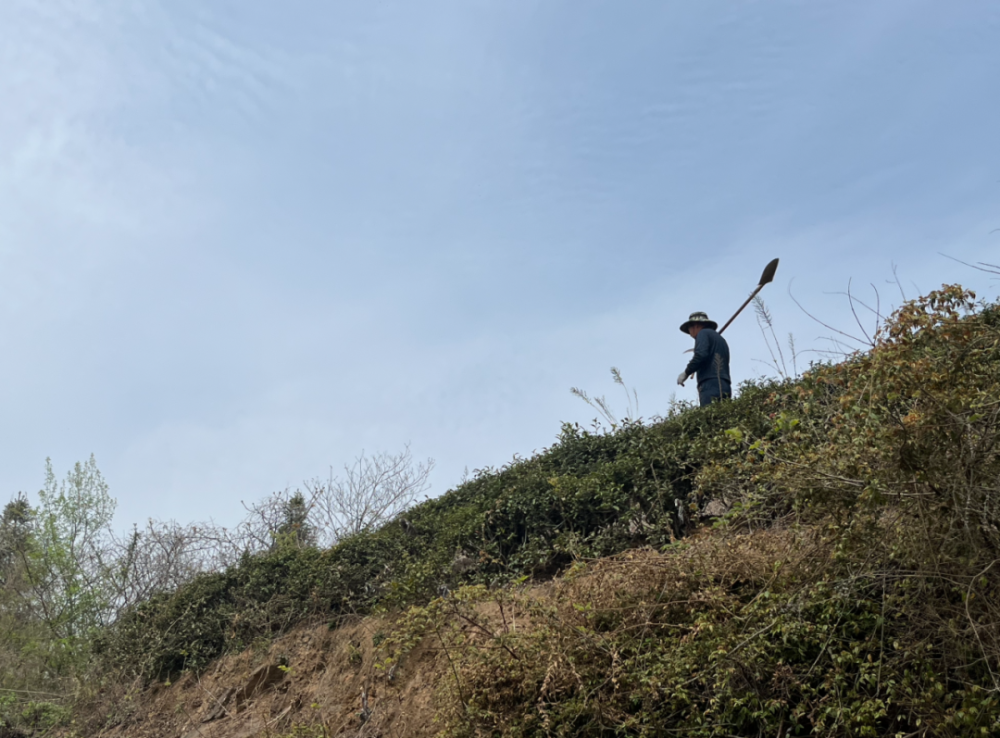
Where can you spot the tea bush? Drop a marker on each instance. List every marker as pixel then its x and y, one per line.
pixel 712 640
pixel 854 590
pixel 591 494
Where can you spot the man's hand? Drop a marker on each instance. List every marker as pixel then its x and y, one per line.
pixel 682 378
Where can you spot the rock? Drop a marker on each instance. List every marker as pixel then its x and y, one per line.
pixel 715 509
pixel 462 562
pixel 218 708
pixel 261 678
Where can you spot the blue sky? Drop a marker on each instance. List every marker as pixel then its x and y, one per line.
pixel 241 242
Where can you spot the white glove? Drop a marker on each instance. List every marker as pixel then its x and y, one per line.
pixel 682 378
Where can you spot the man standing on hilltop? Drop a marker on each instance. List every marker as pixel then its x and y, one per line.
pixel 710 361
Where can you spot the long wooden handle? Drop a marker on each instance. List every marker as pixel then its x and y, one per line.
pixel 766 278
pixel 752 295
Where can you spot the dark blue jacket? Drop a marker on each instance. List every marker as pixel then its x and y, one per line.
pixel 711 360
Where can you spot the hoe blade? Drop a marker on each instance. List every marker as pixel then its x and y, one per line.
pixel 768 276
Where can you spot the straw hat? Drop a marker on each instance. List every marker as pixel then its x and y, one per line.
pixel 698 318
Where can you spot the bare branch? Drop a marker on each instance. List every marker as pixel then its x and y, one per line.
pixel 850 299
pixel 982 265
pixel 825 325
pixel 374 490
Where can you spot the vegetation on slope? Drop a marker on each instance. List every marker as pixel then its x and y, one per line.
pixel 854 592
pixel 590 495
pixel 851 591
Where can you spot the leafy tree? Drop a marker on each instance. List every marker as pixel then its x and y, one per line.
pixel 70 563
pixel 55 587
pixel 16 541
pixel 15 537
pixel 295 529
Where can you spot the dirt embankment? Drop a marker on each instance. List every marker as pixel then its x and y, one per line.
pixel 314 681
pixel 320 681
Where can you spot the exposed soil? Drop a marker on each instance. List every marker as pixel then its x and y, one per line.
pixel 320 681
pixel 314 681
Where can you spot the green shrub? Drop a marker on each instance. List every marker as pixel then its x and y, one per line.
pixel 697 652
pixel 589 495
pixel 852 591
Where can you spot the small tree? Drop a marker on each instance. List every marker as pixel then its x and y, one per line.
pixel 24 641
pixel 15 539
pixel 55 588
pixel 375 489
pixel 69 565
pixel 295 529
pixel 281 518
pixel 159 558
pixel 16 544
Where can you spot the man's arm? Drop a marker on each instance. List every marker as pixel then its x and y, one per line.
pixel 702 353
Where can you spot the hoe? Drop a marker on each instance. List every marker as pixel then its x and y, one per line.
pixel 766 278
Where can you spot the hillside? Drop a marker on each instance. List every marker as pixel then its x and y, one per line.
pixel 850 590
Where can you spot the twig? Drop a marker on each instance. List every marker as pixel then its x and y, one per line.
pixel 825 325
pixel 995 269
pixel 975 629
pixel 850 300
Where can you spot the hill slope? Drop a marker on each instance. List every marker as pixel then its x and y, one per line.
pixel 852 590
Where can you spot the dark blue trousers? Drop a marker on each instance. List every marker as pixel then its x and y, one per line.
pixel 713 390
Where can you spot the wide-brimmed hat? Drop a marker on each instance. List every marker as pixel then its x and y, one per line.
pixel 698 318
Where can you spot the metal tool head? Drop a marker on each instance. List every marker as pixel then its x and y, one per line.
pixel 768 274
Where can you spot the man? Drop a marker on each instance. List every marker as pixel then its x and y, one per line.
pixel 710 361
